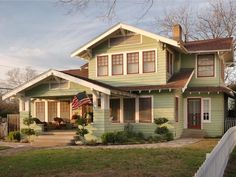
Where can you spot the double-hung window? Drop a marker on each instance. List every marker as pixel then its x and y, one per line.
pixel 133 63
pixel 206 109
pixel 149 61
pixel 205 65
pixel 102 65
pixel 117 64
pixel 145 110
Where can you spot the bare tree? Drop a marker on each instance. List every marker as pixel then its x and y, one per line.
pixel 182 15
pixel 17 76
pixel 217 20
pixel 108 7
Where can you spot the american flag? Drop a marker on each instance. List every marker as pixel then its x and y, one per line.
pixel 80 99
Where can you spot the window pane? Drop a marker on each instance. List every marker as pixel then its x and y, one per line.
pixel 117 64
pixel 52 110
pixel 149 61
pixel 206 109
pixel 115 110
pixel 169 62
pixel 132 63
pixel 65 110
pixel 129 110
pixel 102 64
pixel 145 110
pixel 205 66
pixel 40 110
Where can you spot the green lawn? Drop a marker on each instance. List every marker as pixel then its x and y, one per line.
pixel 163 162
pixel 230 170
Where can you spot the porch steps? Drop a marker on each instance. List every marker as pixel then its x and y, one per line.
pixel 193 133
pixel 54 138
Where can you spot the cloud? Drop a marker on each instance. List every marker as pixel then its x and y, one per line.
pixel 22 52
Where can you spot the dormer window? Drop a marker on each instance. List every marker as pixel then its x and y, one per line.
pixel 133 63
pixel 58 84
pixel 149 61
pixel 102 65
pixel 205 65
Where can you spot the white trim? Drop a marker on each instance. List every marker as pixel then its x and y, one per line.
pixel 196 68
pixel 206 121
pixel 189 79
pixel 127 27
pixel 46 110
pixel 209 51
pixel 58 108
pixel 137 110
pixel 201 110
pixel 58 74
pixel 121 110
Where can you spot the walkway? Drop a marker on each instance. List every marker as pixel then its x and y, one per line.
pixel 22 147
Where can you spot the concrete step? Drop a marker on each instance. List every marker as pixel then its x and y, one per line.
pixel 193 133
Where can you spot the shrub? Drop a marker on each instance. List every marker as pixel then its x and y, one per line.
pixel 108 137
pixel 169 136
pixel 129 128
pixel 120 137
pixel 161 130
pixel 28 131
pixel 160 121
pixel 91 142
pixel 14 136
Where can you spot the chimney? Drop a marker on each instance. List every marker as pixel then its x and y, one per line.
pixel 177 32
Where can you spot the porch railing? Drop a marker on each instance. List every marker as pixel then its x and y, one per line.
pixel 216 161
pixel 229 122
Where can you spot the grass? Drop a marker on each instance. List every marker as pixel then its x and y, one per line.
pixel 230 170
pixel 164 162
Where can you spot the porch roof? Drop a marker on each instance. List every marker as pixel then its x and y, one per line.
pixel 92 84
pixel 178 80
pixel 223 89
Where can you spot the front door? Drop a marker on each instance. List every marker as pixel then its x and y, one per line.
pixel 194 113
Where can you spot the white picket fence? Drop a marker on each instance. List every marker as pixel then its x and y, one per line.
pixel 216 161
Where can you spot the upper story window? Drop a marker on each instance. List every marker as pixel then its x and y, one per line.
pixel 59 84
pixel 117 64
pixel 102 65
pixel 169 62
pixel 133 63
pixel 205 65
pixel 149 61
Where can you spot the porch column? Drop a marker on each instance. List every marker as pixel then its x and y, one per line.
pixel 46 110
pixel 105 101
pixel 21 104
pixel 137 110
pixel 121 110
pixel 27 104
pixel 95 98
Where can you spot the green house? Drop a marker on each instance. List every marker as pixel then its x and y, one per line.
pixel 134 76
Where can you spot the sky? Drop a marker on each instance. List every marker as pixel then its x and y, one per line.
pixel 42 34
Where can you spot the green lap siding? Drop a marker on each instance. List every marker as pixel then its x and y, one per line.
pixel 216 126
pixel 158 77
pixel 43 90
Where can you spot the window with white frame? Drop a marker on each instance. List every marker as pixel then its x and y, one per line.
pixel 102 65
pixel 205 65
pixel 133 63
pixel 117 64
pixel 206 109
pixel 149 61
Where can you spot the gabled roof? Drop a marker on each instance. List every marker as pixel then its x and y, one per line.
pixel 179 80
pixel 218 44
pixel 126 27
pixel 93 85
